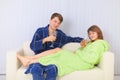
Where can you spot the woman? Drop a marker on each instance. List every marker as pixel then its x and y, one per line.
pixel 84 58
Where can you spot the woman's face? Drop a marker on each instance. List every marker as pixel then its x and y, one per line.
pixel 93 35
pixel 54 23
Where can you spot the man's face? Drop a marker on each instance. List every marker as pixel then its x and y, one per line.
pixel 54 23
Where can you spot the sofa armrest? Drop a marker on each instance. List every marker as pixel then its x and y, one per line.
pixel 107 65
pixel 12 64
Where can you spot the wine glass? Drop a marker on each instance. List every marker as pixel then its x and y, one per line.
pixel 52 43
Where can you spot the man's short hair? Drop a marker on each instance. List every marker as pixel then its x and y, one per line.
pixel 57 15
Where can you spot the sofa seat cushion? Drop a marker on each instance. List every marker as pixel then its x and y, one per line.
pixel 22 76
pixel 92 74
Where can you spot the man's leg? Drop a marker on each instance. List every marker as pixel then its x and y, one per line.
pixel 51 72
pixel 36 70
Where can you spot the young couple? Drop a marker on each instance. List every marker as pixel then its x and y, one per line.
pixel 54 61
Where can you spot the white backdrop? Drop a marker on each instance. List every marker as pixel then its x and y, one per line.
pixel 19 19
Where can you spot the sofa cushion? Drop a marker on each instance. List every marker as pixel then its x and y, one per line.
pixel 71 46
pixel 22 76
pixel 92 74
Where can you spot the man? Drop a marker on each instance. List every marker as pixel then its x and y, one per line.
pixel 50 37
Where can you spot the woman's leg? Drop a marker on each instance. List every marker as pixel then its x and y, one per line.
pixel 23 60
pixel 45 53
pixel 33 59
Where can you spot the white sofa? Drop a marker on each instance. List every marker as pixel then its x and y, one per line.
pixel 104 71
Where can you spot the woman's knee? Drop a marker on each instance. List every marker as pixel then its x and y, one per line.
pixel 58 49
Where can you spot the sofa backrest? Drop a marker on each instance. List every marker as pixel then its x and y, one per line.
pixel 26 49
pixel 73 46
pixel 70 46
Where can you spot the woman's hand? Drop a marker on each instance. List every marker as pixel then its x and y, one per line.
pixel 83 43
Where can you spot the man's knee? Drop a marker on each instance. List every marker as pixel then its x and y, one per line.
pixel 51 71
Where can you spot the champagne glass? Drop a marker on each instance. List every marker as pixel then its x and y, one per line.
pixel 86 39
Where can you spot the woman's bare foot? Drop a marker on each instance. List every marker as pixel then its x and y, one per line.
pixel 25 61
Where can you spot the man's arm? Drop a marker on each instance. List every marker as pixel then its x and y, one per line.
pixel 36 43
pixel 67 39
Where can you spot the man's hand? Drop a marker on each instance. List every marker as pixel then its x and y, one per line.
pixel 49 39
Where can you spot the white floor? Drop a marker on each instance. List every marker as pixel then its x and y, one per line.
pixel 117 78
pixel 2 77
